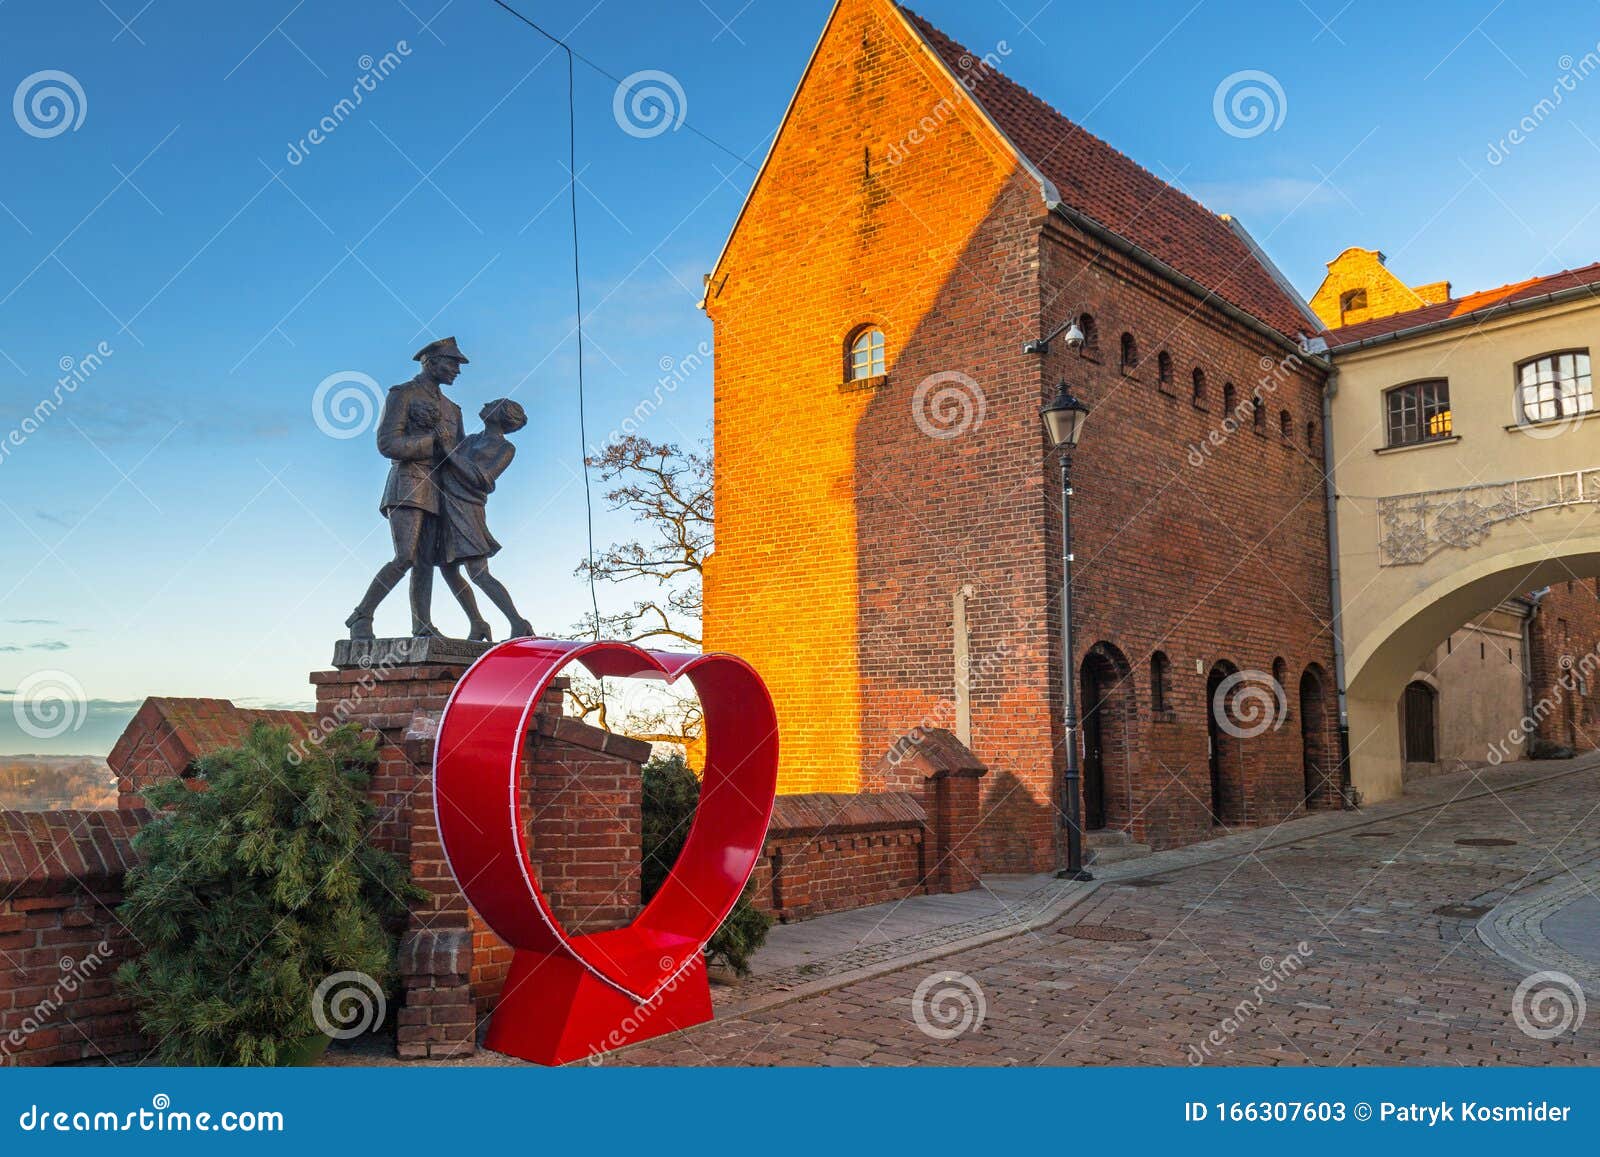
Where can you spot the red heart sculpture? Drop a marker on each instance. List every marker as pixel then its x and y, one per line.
pixel 568 995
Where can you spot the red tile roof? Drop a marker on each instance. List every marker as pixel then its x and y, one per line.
pixel 1097 181
pixel 1472 305
pixel 190 728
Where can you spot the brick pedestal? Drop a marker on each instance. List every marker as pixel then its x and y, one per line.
pixel 581 803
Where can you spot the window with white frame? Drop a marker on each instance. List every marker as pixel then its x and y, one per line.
pixel 1555 385
pixel 866 355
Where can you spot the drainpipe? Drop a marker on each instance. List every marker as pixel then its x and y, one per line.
pixel 1334 590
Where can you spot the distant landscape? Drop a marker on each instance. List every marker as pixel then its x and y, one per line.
pixel 51 782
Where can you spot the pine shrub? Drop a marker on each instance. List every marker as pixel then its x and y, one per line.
pixel 250 893
pixel 671 793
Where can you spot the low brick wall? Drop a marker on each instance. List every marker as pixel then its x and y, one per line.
pixel 830 852
pixel 61 876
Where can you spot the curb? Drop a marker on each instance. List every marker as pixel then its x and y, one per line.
pixel 1071 899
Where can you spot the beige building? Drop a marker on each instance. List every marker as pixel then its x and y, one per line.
pixel 1467 473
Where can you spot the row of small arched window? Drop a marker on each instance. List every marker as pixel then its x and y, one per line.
pixel 866 357
pixel 1128 353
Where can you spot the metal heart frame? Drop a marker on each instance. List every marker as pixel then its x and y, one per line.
pixel 478 761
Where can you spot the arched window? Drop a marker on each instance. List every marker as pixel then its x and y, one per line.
pixel 1311 437
pixel 1285 425
pixel 865 358
pixel 1199 380
pixel 1164 372
pixel 1091 335
pixel 1351 300
pixel 1160 683
pixel 1130 354
pixel 1258 414
pixel 1230 401
pixel 1553 386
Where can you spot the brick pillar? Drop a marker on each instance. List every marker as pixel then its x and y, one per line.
pixel 396 689
pixel 944 773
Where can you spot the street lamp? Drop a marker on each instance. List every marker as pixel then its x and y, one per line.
pixel 1063 424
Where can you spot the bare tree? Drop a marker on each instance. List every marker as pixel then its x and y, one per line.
pixel 669 493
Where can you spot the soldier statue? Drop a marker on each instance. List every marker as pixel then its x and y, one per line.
pixel 417 431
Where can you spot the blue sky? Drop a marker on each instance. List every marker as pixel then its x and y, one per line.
pixel 182 525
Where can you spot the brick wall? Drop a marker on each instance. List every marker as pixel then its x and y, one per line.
pixel 831 852
pixel 61 877
pixel 1564 661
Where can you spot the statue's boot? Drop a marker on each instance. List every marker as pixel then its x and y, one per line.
pixel 360 620
pixel 480 632
pixel 521 629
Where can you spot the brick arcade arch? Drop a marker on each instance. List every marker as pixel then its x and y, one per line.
pixel 1107 711
pixel 1224 751
pixel 1317 768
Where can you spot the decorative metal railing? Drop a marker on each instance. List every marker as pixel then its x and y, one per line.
pixel 1412 528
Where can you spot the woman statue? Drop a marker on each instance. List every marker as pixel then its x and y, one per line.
pixel 464 539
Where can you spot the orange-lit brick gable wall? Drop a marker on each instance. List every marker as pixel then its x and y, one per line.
pixel 886 201
pixel 1363 270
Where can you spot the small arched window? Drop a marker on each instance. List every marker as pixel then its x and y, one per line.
pixel 1199 380
pixel 1351 300
pixel 1091 335
pixel 1164 372
pixel 1160 683
pixel 1130 354
pixel 865 358
pixel 1258 414
pixel 1311 437
pixel 1230 401
pixel 1286 425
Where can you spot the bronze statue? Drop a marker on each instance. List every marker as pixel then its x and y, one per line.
pixel 464 539
pixel 418 429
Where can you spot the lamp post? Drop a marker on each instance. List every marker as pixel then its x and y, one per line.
pixel 1063 424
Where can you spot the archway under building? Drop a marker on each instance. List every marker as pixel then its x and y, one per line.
pixel 1383 659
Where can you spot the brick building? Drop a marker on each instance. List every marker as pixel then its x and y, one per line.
pixel 888 548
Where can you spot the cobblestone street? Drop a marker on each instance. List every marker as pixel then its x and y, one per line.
pixel 1357 947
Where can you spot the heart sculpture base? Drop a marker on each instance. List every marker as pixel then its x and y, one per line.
pixel 568 997
pixel 554 1010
